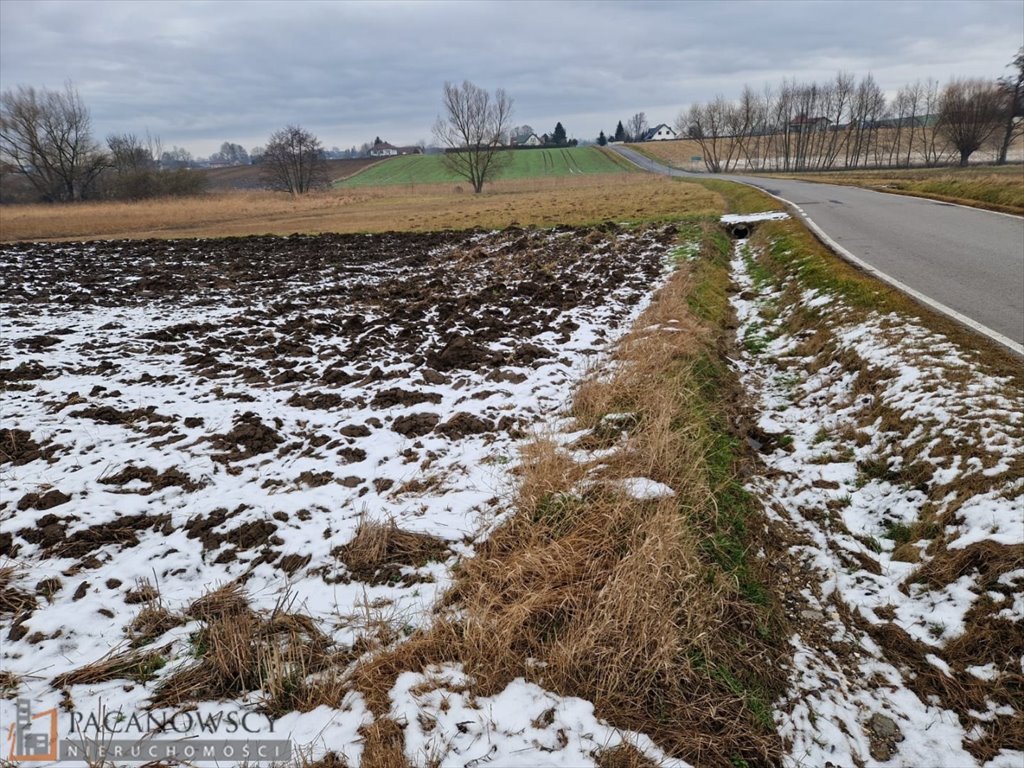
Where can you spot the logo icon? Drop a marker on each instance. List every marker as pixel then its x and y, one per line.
pixel 33 738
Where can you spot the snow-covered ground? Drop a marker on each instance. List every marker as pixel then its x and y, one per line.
pixel 186 414
pixel 882 658
pixel 182 415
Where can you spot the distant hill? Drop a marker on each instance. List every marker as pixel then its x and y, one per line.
pixel 248 176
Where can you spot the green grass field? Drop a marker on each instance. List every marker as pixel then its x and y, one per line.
pixel 519 164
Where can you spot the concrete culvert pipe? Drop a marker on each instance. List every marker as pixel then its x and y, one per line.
pixel 740 230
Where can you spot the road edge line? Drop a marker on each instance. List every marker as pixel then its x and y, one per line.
pixel 939 307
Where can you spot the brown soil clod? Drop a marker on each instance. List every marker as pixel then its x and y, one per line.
pixel 154 480
pixel 389 398
pixel 122 532
pixel 43 501
pixel 108 414
pixel 462 352
pixel 322 401
pixel 416 424
pixel 17 447
pixel 462 424
pixel 293 563
pixel 314 479
pixel 249 437
pixel 26 371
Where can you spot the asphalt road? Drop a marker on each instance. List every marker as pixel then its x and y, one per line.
pixel 967 260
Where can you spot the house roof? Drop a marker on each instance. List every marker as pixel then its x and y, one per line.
pixel 657 128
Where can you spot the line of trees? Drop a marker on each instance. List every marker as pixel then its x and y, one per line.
pixel 48 153
pixel 635 129
pixel 47 143
pixel 846 123
pixel 559 137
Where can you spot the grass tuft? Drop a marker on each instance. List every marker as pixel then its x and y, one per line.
pixel 380 550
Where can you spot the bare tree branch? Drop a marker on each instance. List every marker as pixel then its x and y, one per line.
pixel 294 161
pixel 473 131
pixel 46 137
pixel 969 113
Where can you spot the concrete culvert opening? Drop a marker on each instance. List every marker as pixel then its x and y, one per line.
pixel 740 231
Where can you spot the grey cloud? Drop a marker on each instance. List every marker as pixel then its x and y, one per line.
pixel 198 73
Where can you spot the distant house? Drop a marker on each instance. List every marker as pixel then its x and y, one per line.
pixel 805 124
pixel 660 132
pixel 526 140
pixel 383 149
pixel 900 122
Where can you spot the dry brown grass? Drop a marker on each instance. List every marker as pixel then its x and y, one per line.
pixel 989 558
pixel 624 756
pixel 592 593
pixel 531 202
pixel 150 623
pixel 990 187
pixel 13 599
pixel 9 684
pixel 383 745
pixel 379 550
pixel 238 651
pixel 676 153
pixel 133 664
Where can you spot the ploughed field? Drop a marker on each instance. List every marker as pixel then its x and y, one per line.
pixel 181 414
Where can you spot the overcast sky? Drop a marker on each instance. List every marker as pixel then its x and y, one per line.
pixel 202 72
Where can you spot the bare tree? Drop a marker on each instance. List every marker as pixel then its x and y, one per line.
pixel 472 130
pixel 233 154
pixel 176 158
pixel 908 102
pixel 130 154
pixel 1012 89
pixel 46 137
pixel 837 105
pixel 636 127
pixel 969 113
pixel 713 127
pixel 294 161
pixel 934 144
pixel 134 167
pixel 746 119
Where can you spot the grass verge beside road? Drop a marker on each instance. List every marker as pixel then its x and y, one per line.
pixel 990 187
